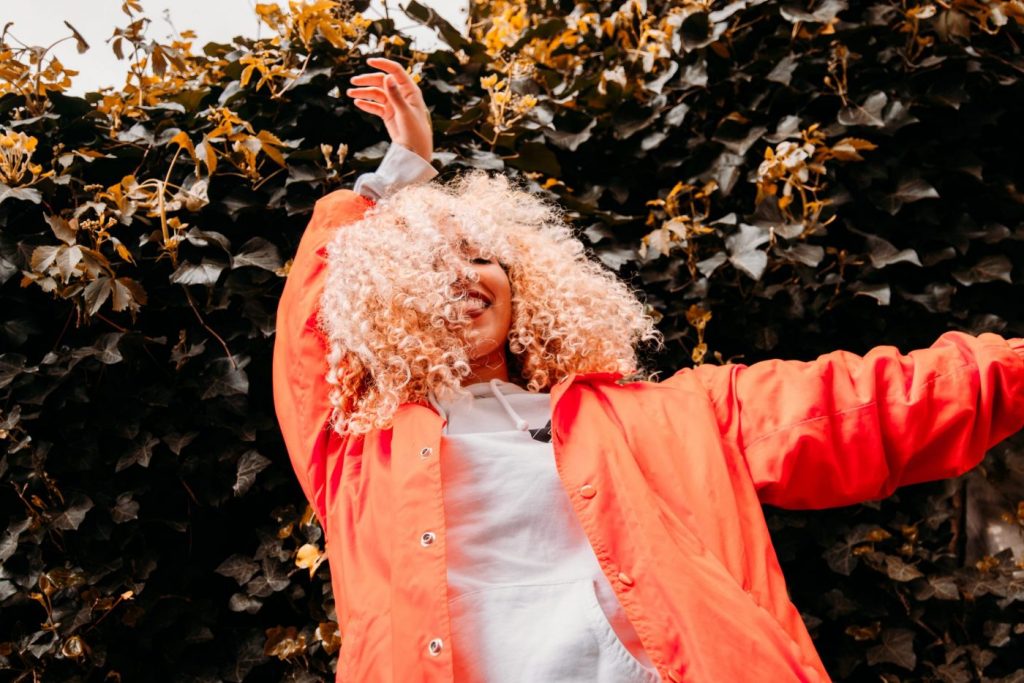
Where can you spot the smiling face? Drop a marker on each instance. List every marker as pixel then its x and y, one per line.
pixel 488 304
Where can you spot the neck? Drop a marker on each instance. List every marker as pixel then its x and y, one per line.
pixel 486 368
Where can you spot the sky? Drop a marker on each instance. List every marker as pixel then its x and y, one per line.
pixel 41 22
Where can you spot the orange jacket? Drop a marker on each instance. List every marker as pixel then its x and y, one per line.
pixel 667 480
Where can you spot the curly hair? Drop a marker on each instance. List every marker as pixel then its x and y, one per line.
pixel 391 308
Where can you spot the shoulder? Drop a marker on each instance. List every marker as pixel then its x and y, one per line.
pixel 340 206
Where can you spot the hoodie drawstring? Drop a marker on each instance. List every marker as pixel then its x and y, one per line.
pixel 521 424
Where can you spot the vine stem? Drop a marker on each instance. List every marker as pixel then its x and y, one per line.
pixel 199 316
pixel 163 210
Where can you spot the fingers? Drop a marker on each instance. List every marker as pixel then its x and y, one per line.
pixel 375 80
pixel 374 94
pixel 373 108
pixel 385 94
pixel 396 70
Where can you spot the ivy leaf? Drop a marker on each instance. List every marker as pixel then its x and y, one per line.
pixel 11 366
pixel 897 648
pixel 240 602
pixel 9 541
pixel 898 570
pixel 141 453
pixel 744 252
pixel 203 238
pixel 205 273
pixel 249 465
pixel 882 253
pixel 988 269
pixel 259 253
pixel 909 191
pixel 176 442
pixel 225 379
pixel 867 114
pixel 71 517
pixel 125 510
pixel 824 13
pixel 29 194
pixel 709 265
pixel 783 71
pixel 880 292
pixel 275 578
pixel 939 587
pixel 806 254
pixel 238 567
pixel 937 297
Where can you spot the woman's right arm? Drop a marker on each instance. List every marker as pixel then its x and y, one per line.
pixel 300 349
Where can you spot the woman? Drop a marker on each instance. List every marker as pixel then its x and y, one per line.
pixel 500 501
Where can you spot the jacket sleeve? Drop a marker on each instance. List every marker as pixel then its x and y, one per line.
pixel 300 349
pixel 843 429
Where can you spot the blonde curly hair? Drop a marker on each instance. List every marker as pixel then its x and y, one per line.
pixel 391 308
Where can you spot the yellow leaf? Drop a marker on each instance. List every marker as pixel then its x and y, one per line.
pixel 274 154
pixel 123 252
pixel 181 139
pixel 247 74
pixel 310 557
pixel 206 154
pixel 697 316
pixel 332 35
pixel 699 351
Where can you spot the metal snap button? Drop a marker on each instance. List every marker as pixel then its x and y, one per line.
pixel 435 647
pixel 427 538
pixel 425 452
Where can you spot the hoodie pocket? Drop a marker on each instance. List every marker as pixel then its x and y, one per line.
pixel 555 633
pixel 620 661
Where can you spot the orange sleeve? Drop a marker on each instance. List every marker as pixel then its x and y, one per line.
pixel 300 349
pixel 844 429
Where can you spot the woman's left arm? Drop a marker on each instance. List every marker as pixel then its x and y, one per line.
pixel 843 429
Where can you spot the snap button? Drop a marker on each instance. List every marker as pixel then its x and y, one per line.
pixel 425 453
pixel 427 538
pixel 588 491
pixel 435 647
pixel 675 677
pixel 626 579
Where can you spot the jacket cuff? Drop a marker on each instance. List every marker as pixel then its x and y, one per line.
pixel 399 168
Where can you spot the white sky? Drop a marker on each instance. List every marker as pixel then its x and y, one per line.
pixel 41 22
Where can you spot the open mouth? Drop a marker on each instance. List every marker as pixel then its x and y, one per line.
pixel 476 303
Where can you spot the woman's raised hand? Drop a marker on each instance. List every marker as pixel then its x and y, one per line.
pixel 391 94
